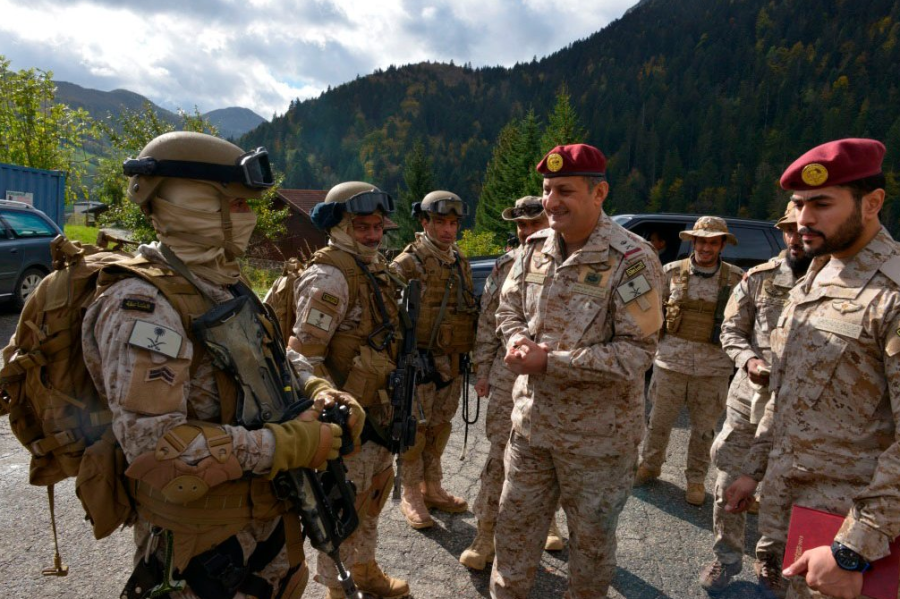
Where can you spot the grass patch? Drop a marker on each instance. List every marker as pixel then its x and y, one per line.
pixel 81 233
pixel 259 276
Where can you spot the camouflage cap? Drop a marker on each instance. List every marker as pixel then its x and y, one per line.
pixel 709 226
pixel 526 208
pixel 790 216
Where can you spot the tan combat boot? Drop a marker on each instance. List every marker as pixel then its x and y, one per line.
pixel 413 508
pixel 481 552
pixel 554 540
pixel 644 475
pixel 695 494
pixel 768 573
pixel 371 579
pixel 435 496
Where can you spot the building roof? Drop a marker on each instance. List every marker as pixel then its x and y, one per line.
pixel 303 200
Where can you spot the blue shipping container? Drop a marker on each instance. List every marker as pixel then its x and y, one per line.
pixel 46 188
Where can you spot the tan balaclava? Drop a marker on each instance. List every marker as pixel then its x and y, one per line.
pixel 187 215
pixel 185 182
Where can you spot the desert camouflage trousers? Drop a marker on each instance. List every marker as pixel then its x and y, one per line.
pixel 422 462
pixel 592 491
pixel 728 451
pixel 498 423
pixel 372 471
pixel 705 399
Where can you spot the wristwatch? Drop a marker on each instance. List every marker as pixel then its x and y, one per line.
pixel 848 559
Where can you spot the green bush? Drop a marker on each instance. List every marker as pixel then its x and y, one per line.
pixel 260 276
pixel 478 244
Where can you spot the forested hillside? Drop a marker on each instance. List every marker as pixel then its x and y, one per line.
pixel 699 104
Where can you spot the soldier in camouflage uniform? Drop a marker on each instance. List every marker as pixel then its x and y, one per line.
pixel 696 293
pixel 830 432
pixel 348 334
pixel 198 479
pixel 496 380
pixel 580 311
pixel 445 334
pixel 752 311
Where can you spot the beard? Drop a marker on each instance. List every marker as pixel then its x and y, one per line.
pixel 798 266
pixel 846 235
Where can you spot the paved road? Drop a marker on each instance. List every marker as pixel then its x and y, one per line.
pixel 663 541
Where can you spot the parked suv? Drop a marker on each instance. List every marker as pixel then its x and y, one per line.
pixel 758 240
pixel 25 236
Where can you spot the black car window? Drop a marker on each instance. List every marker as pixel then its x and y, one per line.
pixel 24 224
pixel 754 247
pixel 668 232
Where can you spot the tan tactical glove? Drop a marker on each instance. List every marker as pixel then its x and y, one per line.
pixel 357 418
pixel 304 443
pixel 314 385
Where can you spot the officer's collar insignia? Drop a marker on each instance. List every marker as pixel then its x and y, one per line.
pixel 814 174
pixel 845 307
pixel 554 162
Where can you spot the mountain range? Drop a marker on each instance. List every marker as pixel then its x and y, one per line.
pixel 231 122
pixel 698 104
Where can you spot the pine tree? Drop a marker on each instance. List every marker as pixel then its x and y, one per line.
pixel 509 174
pixel 562 124
pixel 418 179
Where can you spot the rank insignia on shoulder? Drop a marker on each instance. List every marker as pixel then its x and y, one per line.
pixel 635 269
pixel 138 304
pixel 331 299
pixel 156 338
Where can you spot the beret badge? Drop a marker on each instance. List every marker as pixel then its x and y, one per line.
pixel 554 162
pixel 814 174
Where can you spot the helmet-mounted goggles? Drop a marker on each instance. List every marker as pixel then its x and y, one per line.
pixel 368 202
pixel 445 207
pixel 251 169
pixel 529 210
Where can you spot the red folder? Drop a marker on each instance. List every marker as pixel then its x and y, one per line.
pixel 811 528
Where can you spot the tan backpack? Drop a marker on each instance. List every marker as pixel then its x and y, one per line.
pixel 280 297
pixel 54 409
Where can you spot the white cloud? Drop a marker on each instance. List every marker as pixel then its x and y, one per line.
pixel 263 53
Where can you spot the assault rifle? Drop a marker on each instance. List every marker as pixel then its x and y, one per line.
pixel 235 334
pixel 402 381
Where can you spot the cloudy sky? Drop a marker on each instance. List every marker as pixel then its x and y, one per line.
pixel 262 53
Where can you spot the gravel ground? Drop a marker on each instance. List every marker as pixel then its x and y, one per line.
pixel 663 541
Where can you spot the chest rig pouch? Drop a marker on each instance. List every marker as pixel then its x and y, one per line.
pixel 695 319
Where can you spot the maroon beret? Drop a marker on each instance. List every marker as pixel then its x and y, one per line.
pixel 573 160
pixel 834 163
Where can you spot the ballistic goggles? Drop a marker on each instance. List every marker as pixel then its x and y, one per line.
pixel 368 202
pixel 251 169
pixel 529 211
pixel 446 206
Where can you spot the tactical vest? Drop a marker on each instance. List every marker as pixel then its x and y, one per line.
pixel 359 360
pixel 229 507
pixel 449 311
pixel 695 320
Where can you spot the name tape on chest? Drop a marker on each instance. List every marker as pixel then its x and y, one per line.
pixel 839 327
pixel 635 290
pixel 535 277
pixel 155 338
pixel 319 319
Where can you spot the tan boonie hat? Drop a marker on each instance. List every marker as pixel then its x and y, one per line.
pixel 709 226
pixel 526 208
pixel 790 216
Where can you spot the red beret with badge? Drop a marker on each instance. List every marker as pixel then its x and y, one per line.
pixel 834 163
pixel 573 160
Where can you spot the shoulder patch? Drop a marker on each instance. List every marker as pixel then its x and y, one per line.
pixel 635 268
pixel 138 304
pixel 891 269
pixel 331 299
pixel 155 338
